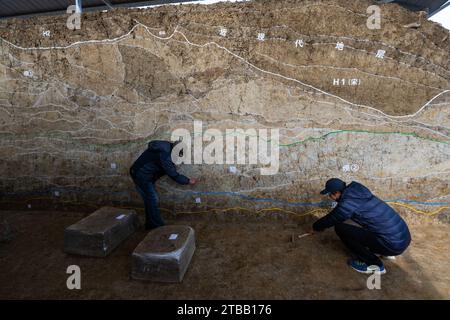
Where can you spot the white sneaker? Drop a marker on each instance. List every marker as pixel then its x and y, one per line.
pixel 376 269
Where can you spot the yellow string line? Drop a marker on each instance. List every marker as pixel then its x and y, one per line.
pixel 428 213
pixel 249 210
pixel 192 212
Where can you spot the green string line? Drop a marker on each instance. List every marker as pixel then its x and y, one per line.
pixel 322 137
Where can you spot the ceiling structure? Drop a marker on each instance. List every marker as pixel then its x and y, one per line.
pixel 14 8
pixel 430 6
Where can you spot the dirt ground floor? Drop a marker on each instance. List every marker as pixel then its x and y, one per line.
pixel 233 260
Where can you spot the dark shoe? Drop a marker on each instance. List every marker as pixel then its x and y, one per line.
pixel 364 268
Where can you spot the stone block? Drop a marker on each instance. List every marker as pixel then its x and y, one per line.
pixel 101 232
pixel 164 254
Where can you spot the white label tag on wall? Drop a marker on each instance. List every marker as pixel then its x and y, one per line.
pixel 121 217
pixel 198 200
pixel 173 236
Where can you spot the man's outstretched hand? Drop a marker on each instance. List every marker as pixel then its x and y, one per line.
pixel 193 181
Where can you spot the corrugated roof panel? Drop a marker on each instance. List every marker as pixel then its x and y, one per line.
pixel 20 7
pixel 11 8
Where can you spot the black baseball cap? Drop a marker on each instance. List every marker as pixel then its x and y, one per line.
pixel 333 185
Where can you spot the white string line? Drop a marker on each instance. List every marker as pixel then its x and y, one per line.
pixel 114 40
pixel 140 113
pixel 436 132
pixel 314 100
pixel 296 8
pixel 348 110
pixel 382 120
pixel 439 198
pixel 365 16
pixel 170 188
pixel 339 38
pixel 392 59
pixel 85 127
pixel 77 43
pixel 292 79
pixel 49 182
pixel 320 130
pixel 354 49
pixel 346 68
pixel 188 113
pixel 106 131
pixel 40 152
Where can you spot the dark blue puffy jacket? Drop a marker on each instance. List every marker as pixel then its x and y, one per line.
pixel 156 162
pixel 360 205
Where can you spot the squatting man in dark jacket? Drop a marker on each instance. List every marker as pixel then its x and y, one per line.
pixel 381 232
pixel 151 165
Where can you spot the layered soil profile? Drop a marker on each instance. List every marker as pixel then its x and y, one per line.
pixel 371 105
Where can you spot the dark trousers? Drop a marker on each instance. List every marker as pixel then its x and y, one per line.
pixel 362 243
pixel 148 193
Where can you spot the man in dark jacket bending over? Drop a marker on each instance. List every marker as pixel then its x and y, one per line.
pixel 382 230
pixel 152 164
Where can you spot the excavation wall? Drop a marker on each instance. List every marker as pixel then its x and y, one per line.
pixel 371 105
